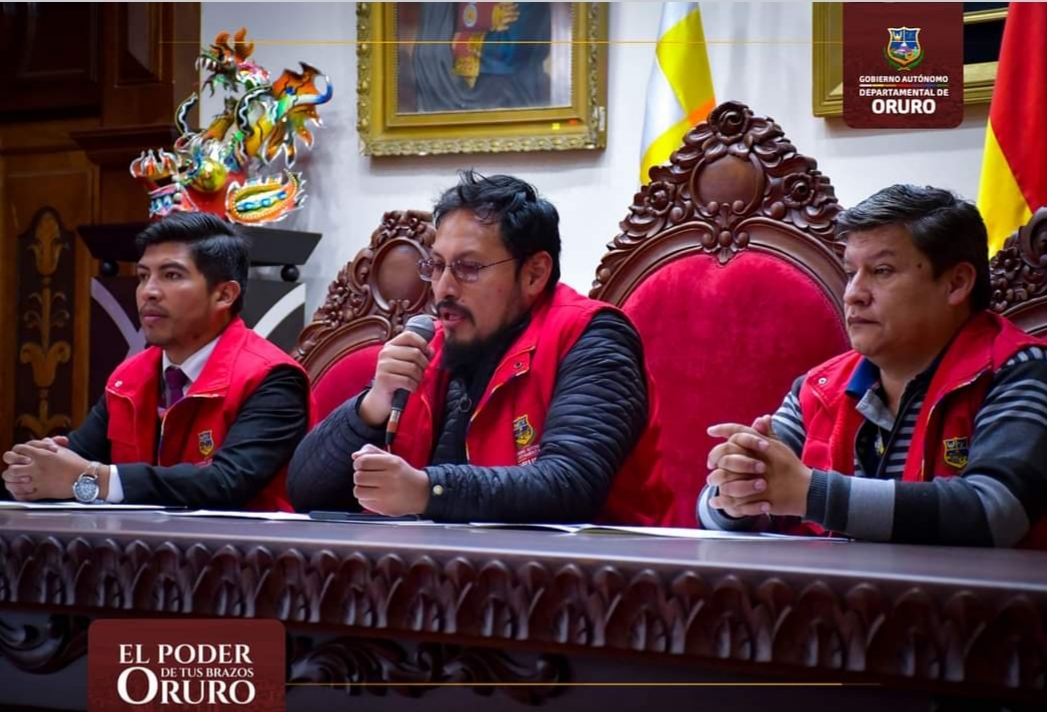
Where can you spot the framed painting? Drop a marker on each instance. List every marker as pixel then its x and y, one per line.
pixel 982 33
pixel 481 77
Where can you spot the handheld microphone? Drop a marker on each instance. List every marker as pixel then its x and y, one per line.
pixel 424 327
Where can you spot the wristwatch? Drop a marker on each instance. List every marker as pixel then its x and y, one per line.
pixel 86 488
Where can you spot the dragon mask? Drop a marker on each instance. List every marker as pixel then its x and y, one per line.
pixel 231 167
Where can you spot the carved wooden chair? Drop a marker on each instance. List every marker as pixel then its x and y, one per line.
pixel 367 304
pixel 728 265
pixel 1019 276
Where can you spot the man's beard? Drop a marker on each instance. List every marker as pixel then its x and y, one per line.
pixel 462 354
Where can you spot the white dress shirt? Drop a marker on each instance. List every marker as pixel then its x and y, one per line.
pixel 192 367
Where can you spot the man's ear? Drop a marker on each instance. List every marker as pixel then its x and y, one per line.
pixel 536 273
pixel 961 279
pixel 226 294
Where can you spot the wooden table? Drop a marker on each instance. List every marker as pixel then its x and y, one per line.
pixel 370 604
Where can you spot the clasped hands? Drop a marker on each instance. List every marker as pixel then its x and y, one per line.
pixel 756 473
pixel 42 469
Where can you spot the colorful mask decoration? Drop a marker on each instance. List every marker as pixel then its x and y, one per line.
pixel 231 168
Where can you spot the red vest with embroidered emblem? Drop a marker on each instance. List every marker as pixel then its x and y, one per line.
pixel 945 424
pixel 506 426
pixel 194 428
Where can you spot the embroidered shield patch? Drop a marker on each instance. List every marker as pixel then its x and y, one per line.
pixel 523 433
pixel 206 442
pixel 956 450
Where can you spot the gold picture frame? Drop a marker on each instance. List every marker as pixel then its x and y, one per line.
pixel 827 55
pixel 399 114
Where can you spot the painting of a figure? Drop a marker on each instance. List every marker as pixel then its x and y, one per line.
pixel 481 77
pixel 482 56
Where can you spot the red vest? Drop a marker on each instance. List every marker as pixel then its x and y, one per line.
pixel 945 424
pixel 194 428
pixel 506 427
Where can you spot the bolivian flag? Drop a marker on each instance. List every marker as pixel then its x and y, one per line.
pixel 1014 168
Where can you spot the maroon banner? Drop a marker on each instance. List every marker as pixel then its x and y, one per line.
pixel 195 664
pixel 902 65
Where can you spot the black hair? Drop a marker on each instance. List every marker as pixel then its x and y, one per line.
pixel 528 223
pixel 943 226
pixel 220 252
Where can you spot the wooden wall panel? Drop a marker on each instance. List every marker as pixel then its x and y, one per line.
pixel 95 84
pixel 47 192
pixel 50 57
pixel 8 323
pixel 149 68
pixel 43 344
pixel 150 50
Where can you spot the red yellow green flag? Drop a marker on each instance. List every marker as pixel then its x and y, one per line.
pixel 1014 167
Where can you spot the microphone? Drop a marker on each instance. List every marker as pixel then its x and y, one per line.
pixel 423 326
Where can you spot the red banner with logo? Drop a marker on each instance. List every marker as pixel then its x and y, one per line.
pixel 902 65
pixel 173 665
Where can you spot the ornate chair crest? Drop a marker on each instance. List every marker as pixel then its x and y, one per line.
pixel 728 265
pixel 1019 276
pixel 735 183
pixel 367 304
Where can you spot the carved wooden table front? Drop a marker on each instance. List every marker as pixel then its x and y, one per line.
pixel 545 614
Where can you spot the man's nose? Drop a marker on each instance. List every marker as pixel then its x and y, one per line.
pixel 856 291
pixel 446 285
pixel 149 289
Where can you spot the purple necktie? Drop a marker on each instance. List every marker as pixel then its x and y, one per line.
pixel 176 380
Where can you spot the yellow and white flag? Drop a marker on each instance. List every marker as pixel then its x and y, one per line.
pixel 680 89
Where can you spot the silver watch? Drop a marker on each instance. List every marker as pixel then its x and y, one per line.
pixel 86 488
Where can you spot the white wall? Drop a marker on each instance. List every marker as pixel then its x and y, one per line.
pixel 760 54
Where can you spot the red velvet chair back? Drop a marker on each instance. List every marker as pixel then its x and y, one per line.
pixel 369 303
pixel 729 268
pixel 1019 276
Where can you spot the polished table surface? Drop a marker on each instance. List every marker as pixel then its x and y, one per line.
pixel 955 567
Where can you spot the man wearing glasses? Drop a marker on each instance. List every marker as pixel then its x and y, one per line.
pixel 531 403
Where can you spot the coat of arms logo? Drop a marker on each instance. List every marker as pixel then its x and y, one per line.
pixel 903 50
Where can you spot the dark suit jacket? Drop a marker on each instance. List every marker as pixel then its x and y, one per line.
pixel 269 426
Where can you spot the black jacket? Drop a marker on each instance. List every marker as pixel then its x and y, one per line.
pixel 597 414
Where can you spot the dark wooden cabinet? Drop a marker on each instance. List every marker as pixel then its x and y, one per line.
pixel 50 56
pixel 86 88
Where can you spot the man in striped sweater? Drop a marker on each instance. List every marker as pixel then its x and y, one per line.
pixel 932 430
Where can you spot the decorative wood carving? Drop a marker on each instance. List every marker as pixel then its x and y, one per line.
pixel 358 664
pixel 374 295
pixel 45 651
pixel 66 85
pixel 736 183
pixel 363 665
pixel 43 389
pixel 46 182
pixel 993 640
pixel 1019 275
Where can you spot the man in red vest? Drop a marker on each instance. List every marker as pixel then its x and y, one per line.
pixel 206 417
pixel 531 404
pixel 932 430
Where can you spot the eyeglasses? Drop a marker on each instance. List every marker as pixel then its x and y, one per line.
pixel 463 270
